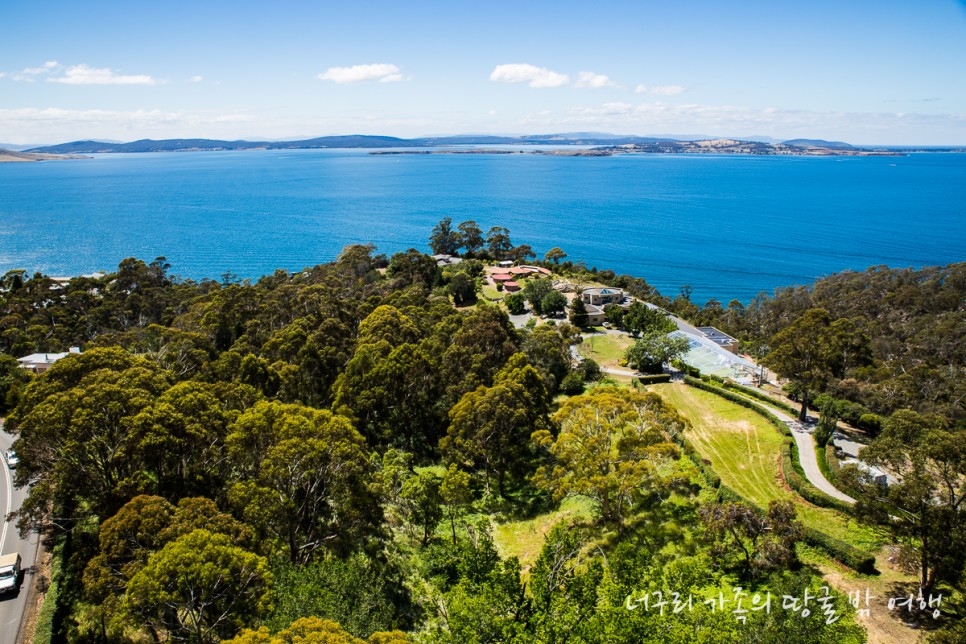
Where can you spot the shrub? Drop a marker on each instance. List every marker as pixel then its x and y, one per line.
pixel 688 370
pixel 839 550
pixel 47 622
pixel 515 303
pixel 871 423
pixel 572 384
pixel 848 411
pixel 843 552
pixel 704 467
pixel 590 370
pixel 829 462
pixel 727 495
pixel 793 474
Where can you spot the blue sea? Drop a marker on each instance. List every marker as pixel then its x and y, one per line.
pixel 728 226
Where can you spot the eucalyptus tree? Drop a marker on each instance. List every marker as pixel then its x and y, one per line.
pixel 303 479
pixel 610 448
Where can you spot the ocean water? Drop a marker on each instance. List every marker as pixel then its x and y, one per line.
pixel 728 226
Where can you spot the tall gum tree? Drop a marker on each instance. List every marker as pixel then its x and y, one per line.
pixel 304 478
pixel 611 444
pixel 926 508
pixel 812 350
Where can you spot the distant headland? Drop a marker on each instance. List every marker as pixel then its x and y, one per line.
pixel 799 147
pixel 580 144
pixel 9 156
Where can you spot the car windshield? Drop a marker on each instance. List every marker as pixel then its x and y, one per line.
pixel 6 574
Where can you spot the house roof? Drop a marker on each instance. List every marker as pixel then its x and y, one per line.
pixel 604 291
pixel 522 270
pixel 501 277
pixel 716 336
pixel 41 358
pixel 511 284
pixel 537 269
pixel 446 260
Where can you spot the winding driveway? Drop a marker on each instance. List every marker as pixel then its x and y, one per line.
pixel 806 453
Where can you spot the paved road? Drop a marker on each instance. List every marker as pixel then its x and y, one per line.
pixel 806 454
pixel 12 606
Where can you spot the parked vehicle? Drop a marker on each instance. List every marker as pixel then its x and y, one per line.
pixel 9 573
pixel 11 457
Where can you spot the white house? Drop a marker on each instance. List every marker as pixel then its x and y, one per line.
pixel 40 362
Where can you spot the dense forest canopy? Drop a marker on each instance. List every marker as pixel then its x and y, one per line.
pixel 326 453
pixel 914 322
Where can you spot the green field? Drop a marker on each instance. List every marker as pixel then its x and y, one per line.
pixel 745 451
pixel 605 348
pixel 524 539
pixel 489 292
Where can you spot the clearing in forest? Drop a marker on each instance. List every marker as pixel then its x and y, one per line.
pixel 745 451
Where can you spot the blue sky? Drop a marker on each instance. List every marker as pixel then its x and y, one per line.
pixel 867 72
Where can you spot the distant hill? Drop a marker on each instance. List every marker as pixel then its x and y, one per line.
pixel 14 147
pixel 818 143
pixel 610 143
pixel 348 141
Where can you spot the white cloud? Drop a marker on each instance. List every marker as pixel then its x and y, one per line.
pixel 196 79
pixel 382 72
pixel 593 81
pixel 660 90
pixel 86 75
pixel 47 67
pixel 530 74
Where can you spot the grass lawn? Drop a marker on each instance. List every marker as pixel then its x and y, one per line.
pixel 745 451
pixel 524 539
pixel 606 349
pixel 490 292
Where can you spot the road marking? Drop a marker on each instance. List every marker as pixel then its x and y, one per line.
pixel 6 524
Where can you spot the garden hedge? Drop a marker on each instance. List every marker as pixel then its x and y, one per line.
pixel 846 553
pixel 754 393
pixel 655 379
pixel 797 481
